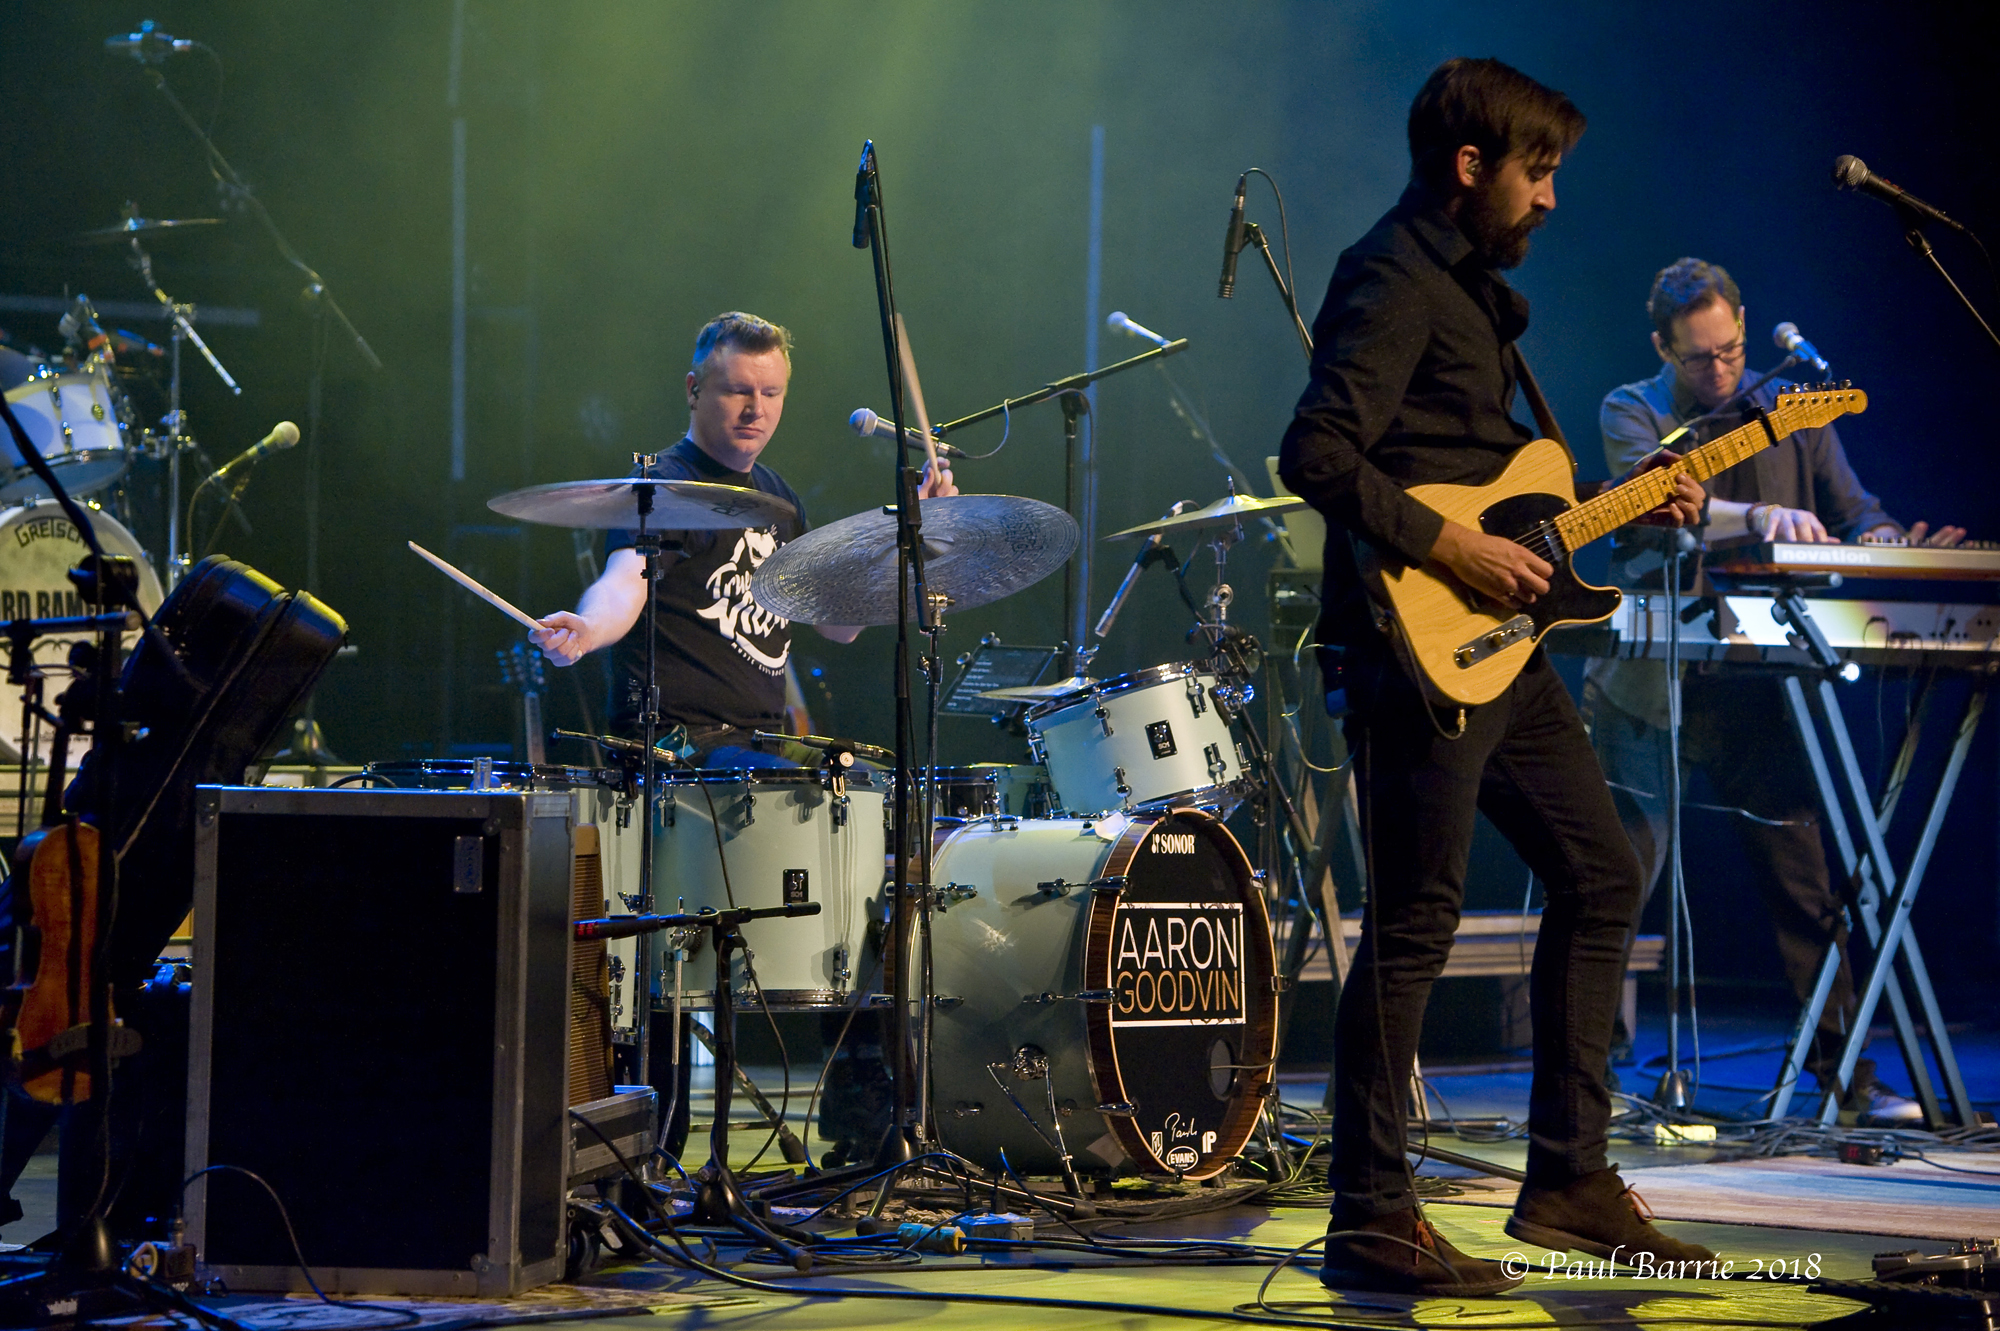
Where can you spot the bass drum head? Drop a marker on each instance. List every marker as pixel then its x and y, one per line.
pixel 38 547
pixel 1115 971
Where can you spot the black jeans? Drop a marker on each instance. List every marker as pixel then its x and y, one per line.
pixel 1526 763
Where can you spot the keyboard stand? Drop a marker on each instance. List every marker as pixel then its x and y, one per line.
pixel 1877 899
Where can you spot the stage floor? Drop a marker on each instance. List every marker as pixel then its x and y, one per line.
pixel 1807 1214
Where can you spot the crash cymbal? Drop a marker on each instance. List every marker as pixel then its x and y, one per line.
pixel 978 548
pixel 144 226
pixel 677 505
pixel 1224 512
pixel 1042 692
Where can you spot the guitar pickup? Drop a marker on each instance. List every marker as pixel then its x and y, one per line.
pixel 1494 640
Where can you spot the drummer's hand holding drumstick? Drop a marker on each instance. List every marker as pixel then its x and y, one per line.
pixel 613 603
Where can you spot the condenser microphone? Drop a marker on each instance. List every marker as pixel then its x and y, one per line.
pixel 1118 320
pixel 1789 339
pixel 1850 172
pixel 867 424
pixel 148 46
pixel 864 193
pixel 283 435
pixel 1232 243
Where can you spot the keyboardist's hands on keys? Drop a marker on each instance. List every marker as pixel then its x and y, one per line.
pixel 1796 525
pixel 1920 533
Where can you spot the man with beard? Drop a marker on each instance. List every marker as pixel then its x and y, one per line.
pixel 1735 726
pixel 1413 380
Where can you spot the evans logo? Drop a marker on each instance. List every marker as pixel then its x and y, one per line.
pixel 1183 1157
pixel 1172 843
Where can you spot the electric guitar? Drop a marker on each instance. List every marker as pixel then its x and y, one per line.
pixel 1466 648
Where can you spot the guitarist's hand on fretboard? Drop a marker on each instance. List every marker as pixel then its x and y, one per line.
pixel 1493 566
pixel 1683 507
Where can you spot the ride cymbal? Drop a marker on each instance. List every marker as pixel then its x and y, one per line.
pixel 977 549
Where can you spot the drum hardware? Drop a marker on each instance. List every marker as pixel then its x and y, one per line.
pixel 1032 1064
pixel 1081 996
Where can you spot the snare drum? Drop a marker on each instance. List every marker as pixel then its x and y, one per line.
pixel 1118 972
pixel 73 421
pixel 988 790
pixel 1155 738
pixel 38 547
pixel 484 774
pixel 753 838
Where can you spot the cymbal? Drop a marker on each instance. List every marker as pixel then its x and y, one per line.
pixel 1042 692
pixel 977 549
pixel 1224 512
pixel 139 226
pixel 677 505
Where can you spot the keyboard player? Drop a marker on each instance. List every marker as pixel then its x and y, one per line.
pixel 1734 726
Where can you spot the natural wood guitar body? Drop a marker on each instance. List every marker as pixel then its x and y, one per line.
pixel 1441 617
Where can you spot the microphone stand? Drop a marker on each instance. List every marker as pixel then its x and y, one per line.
pixel 1254 235
pixel 907 1128
pixel 1913 232
pixel 1070 390
pixel 318 296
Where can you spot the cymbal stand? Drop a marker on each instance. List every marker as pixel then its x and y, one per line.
pixel 647 543
pixel 1235 651
pixel 178 439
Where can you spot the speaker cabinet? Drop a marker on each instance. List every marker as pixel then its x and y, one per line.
pixel 380 1031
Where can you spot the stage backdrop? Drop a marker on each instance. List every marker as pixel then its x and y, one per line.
pixel 528 209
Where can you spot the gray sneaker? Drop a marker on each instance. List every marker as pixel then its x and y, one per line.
pixel 1876 1106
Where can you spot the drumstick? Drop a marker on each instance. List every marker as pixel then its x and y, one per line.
pixel 498 603
pixel 916 393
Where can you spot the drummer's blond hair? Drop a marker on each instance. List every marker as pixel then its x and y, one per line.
pixel 745 332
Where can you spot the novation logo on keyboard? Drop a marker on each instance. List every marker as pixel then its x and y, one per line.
pixel 1172 843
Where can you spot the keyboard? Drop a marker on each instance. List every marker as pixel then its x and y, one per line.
pixel 1974 561
pixel 1741 629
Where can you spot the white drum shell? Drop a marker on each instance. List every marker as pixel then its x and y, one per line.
pixel 1158 733
pixel 774 823
pixel 73 422
pixel 1009 941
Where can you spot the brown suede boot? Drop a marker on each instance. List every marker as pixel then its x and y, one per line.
pixel 1424 1262
pixel 1601 1215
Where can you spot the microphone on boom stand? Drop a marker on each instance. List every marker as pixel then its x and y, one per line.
pixel 1232 242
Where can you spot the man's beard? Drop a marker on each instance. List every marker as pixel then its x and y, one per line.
pixel 1503 244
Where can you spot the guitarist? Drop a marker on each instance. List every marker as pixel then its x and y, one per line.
pixel 1413 381
pixel 1734 726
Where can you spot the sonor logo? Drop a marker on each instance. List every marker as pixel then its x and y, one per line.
pixel 1173 843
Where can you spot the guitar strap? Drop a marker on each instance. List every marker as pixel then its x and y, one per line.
pixel 1545 420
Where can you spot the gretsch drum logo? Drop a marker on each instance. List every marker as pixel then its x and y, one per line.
pixel 1177 963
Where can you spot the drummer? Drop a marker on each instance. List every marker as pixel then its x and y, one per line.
pixel 721 656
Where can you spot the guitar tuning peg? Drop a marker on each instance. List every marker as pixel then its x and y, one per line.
pixel 1847 383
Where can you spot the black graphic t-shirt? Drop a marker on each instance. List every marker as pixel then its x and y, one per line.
pixel 721 656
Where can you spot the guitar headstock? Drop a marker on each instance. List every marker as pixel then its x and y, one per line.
pixel 521 668
pixel 1806 406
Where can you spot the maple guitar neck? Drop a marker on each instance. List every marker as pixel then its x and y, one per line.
pixel 1584 523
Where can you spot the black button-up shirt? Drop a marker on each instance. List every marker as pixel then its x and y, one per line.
pixel 1412 383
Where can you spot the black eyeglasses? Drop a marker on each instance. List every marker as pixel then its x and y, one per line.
pixel 1707 360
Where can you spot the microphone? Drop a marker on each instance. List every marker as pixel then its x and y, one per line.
pixel 1118 320
pixel 866 424
pixel 1850 172
pixel 283 435
pixel 79 326
pixel 1232 243
pixel 148 46
pixel 863 193
pixel 1789 339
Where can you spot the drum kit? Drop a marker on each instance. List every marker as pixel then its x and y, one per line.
pixel 1092 976
pixel 78 409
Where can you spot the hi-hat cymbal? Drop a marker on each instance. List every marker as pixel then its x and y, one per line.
pixel 1224 512
pixel 141 226
pixel 1042 692
pixel 977 549
pixel 676 506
